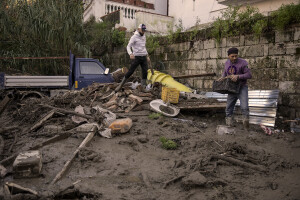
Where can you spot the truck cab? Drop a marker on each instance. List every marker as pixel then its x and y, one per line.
pixel 86 71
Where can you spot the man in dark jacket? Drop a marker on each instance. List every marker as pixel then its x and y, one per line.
pixel 237 70
pixel 137 51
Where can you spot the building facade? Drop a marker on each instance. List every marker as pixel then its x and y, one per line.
pixel 189 13
pixel 128 10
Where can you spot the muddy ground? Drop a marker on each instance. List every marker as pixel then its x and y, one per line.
pixel 134 165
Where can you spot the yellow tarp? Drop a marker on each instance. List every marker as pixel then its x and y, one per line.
pixel 167 81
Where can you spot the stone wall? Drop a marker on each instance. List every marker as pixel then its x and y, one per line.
pixel 273 59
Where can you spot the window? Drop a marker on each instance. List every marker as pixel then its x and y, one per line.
pixel 90 68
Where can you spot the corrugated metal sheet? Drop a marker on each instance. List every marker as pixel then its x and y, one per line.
pixel 262 105
pixel 36 81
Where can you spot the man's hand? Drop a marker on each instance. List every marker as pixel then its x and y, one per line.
pixel 132 57
pixel 234 78
pixel 148 59
pixel 221 79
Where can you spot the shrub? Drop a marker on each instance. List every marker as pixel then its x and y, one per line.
pixel 168 144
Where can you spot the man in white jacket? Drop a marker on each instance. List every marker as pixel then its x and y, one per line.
pixel 137 51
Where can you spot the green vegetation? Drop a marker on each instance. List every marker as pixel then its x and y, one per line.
pixel 41 28
pixel 152 43
pixel 173 36
pixel 286 15
pixel 50 28
pixel 235 21
pixel 168 144
pixel 103 37
pixel 155 115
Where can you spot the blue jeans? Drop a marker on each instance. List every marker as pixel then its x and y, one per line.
pixel 243 97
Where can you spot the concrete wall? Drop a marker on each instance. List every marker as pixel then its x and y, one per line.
pixel 155 23
pixel 274 60
pixel 190 11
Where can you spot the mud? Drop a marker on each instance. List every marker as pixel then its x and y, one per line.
pixel 135 166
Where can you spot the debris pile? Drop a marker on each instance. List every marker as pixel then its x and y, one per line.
pixel 57 141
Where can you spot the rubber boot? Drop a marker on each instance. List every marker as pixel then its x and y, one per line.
pixel 121 84
pixel 229 121
pixel 246 123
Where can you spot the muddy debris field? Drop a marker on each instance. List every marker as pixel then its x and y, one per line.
pixel 72 154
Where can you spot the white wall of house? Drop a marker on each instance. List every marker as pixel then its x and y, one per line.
pixel 99 8
pixel 268 6
pixel 189 11
pixel 155 23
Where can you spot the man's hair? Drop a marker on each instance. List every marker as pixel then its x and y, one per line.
pixel 232 51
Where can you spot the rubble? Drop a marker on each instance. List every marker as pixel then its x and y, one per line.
pixel 28 164
pixel 80 162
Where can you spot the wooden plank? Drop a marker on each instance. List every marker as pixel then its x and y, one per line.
pixel 40 122
pixel 197 106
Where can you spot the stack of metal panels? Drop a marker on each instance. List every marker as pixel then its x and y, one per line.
pixel 262 106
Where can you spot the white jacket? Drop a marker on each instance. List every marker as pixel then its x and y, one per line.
pixel 138 45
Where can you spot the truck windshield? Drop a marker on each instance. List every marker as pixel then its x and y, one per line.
pixel 90 68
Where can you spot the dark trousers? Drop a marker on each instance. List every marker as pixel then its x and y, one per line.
pixel 138 60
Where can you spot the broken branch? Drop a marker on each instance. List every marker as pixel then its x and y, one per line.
pixel 68 163
pixel 240 163
pixel 67 111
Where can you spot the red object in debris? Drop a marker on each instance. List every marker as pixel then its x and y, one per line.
pixel 267 130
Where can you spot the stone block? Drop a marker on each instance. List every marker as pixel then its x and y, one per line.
pixel 205 54
pixel 192 64
pixel 174 47
pixel 267 38
pixel 251 40
pixel 265 62
pixel 211 65
pixel 254 51
pixel 28 164
pixel 223 42
pixel 213 53
pixel 285 36
pixel 242 40
pixel 224 53
pixel 201 65
pixel 292 48
pixel 289 86
pixel 287 61
pixel 185 46
pixel 294 100
pixel 198 84
pixel 266 50
pixel 198 45
pixel 233 41
pixel 289 74
pixel 277 49
pixel 207 84
pixel 297 33
pixel 270 74
pixel 209 44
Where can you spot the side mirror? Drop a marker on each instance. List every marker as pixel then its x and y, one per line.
pixel 106 71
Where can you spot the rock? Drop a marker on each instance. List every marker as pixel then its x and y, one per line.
pixel 195 179
pixel 3 171
pixel 165 124
pixel 142 139
pixel 52 128
pixel 27 164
